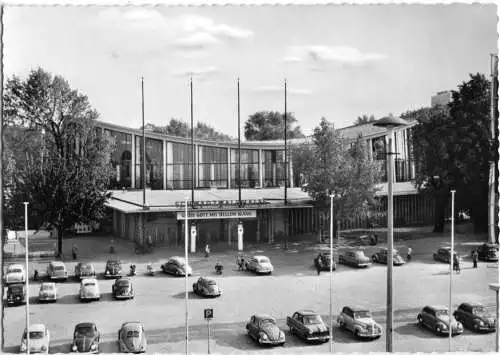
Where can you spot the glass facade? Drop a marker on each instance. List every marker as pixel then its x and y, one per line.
pixel 121 159
pixel 179 166
pixel 154 163
pixel 212 167
pixel 274 168
pixel 249 172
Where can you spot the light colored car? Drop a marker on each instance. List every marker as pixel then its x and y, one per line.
pixel 355 258
pixel 48 292
pixel 39 339
pixel 132 338
pixel 437 319
pixel 15 273
pixel 56 271
pixel 360 322
pixel 89 290
pixel 259 264
pixel 381 257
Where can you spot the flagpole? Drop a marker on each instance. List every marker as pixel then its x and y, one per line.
pixel 186 273
pixel 286 155
pixel 192 145
pixel 143 149
pixel 239 148
pixel 450 311
pixel 27 278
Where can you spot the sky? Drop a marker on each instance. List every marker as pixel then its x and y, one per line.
pixel 339 61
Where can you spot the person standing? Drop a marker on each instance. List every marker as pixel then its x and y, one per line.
pixel 318 264
pixel 74 250
pixel 475 256
pixel 408 256
pixel 456 263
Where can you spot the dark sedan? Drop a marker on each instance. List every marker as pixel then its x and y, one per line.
pixel 86 338
pixel 176 266
pixel 488 252
pixel 475 317
pixel 16 294
pixel 443 254
pixel 122 289
pixel 381 257
pixel 84 270
pixel 263 329
pixel 206 287
pixel 113 269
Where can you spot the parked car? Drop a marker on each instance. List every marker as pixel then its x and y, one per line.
pixel 132 338
pixel 113 269
pixel 488 252
pixel 16 294
pixel 15 274
pixel 475 317
pixel 355 258
pixel 381 257
pixel 84 270
pixel 56 271
pixel 443 254
pixel 360 322
pixel 86 338
pixel 176 266
pixel 263 329
pixel 122 289
pixel 206 287
pixel 48 292
pixel 325 262
pixel 437 319
pixel 308 326
pixel 259 264
pixel 89 290
pixel 39 339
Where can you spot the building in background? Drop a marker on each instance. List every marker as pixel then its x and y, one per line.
pixel 442 98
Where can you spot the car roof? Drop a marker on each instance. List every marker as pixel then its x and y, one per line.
pixel 123 280
pixel 204 278
pixel 261 316
pixel 89 279
pixel 85 325
pixel 16 266
pixel 306 312
pixel 53 284
pixel 177 258
pixel 358 309
pixel 57 263
pixel 132 325
pixel 438 307
pixel 85 264
pixel 37 328
pixel 258 257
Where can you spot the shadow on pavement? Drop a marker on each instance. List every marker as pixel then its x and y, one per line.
pixel 11 349
pixel 69 299
pixel 415 330
pixel 191 296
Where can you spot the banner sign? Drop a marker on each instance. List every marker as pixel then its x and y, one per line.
pixel 220 203
pixel 218 214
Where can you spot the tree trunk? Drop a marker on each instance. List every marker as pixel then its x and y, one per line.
pixel 60 232
pixel 440 203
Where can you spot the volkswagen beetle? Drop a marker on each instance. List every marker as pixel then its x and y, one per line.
pixel 355 258
pixel 89 290
pixel 206 287
pixel 132 338
pixel 122 289
pixel 113 269
pixel 176 266
pixel 381 257
pixel 85 338
pixel 259 264
pixel 48 292
pixel 443 254
pixel 263 329
pixel 437 319
pixel 475 317
pixel 324 260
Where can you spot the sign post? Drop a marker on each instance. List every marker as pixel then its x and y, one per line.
pixel 209 314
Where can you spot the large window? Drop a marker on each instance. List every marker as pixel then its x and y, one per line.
pixel 274 168
pixel 179 164
pixel 249 168
pixel 121 159
pixel 212 167
pixel 154 163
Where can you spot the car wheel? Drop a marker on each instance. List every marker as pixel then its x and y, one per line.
pixel 374 259
pixel 476 327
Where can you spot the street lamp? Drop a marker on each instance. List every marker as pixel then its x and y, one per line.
pixel 186 271
pixel 27 278
pixel 495 287
pixel 390 123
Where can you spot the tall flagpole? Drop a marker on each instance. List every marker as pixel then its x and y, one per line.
pixel 27 278
pixel 1 150
pixel 143 149
pixel 450 311
pixel 286 155
pixel 239 148
pixel 186 273
pixel 192 146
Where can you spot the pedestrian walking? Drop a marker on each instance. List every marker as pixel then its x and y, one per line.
pixel 475 256
pixel 74 250
pixel 408 256
pixel 207 251
pixel 240 262
pixel 318 263
pixel 456 264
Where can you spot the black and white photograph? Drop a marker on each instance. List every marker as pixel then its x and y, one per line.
pixel 249 178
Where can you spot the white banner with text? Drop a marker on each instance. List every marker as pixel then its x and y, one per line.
pixel 218 214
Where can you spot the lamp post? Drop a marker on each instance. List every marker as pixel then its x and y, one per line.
pixel 331 273
pixel 450 311
pixel 27 278
pixel 495 287
pixel 186 273
pixel 390 123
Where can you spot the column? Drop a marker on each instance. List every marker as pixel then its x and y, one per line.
pixel 140 226
pixel 132 183
pixel 229 168
pixel 259 217
pixel 370 149
pixel 274 174
pixel 290 174
pixel 261 168
pixel 164 164
pixel 228 228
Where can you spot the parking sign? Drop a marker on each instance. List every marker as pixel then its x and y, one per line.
pixel 209 313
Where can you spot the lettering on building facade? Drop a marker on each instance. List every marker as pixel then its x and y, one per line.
pixel 218 214
pixel 221 203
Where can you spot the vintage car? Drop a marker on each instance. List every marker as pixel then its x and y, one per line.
pixel 56 271
pixel 16 294
pixel 85 338
pixel 381 257
pixel 475 317
pixel 39 339
pixel 355 258
pixel 263 329
pixel 443 254
pixel 14 274
pixel 113 269
pixel 488 252
pixel 308 326
pixel 206 287
pixel 360 322
pixel 176 266
pixel 122 289
pixel 437 319
pixel 48 292
pixel 259 264
pixel 323 260
pixel 89 290
pixel 132 338
pixel 84 270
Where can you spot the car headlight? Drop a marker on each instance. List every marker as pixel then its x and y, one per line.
pixel 443 326
pixel 481 323
pixel 23 347
pixel 263 336
pixel 93 346
pixel 44 348
pixel 107 272
pixel 282 334
pixel 74 348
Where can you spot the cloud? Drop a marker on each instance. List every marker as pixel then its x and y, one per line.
pixel 199 72
pixel 192 23
pixel 320 53
pixel 196 41
pixel 279 89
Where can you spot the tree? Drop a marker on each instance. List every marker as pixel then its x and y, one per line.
pixel 453 149
pixel 363 119
pixel 180 128
pixel 269 125
pixel 342 169
pixel 64 173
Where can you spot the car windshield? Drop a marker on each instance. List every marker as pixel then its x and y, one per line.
pixel 441 313
pixel 263 322
pixel 263 260
pixel 36 335
pixel 113 263
pixel 16 289
pixel 312 319
pixel 47 288
pixel 477 310
pixel 133 334
pixel 359 254
pixel 210 282
pixel 361 314
pixel 89 283
pixel 179 262
pixel 123 285
pixel 59 268
pixel 86 331
pixel 15 269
